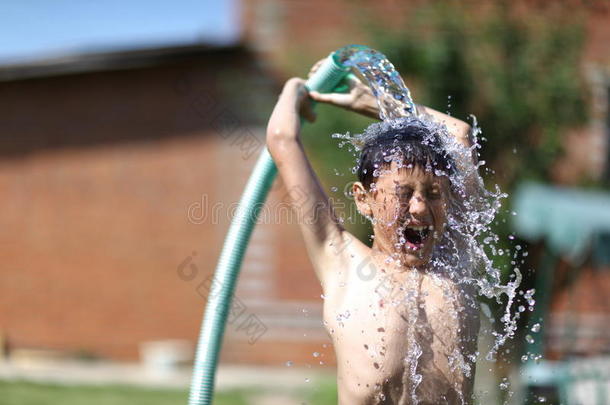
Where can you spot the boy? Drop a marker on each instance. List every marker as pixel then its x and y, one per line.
pixel 403 331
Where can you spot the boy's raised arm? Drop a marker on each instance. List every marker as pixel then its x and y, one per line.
pixel 458 128
pixel 360 99
pixel 321 230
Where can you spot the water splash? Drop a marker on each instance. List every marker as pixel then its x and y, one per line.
pixel 393 96
pixel 459 255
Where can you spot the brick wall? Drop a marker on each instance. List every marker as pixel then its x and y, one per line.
pixel 98 173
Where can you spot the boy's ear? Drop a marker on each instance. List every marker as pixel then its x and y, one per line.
pixel 361 200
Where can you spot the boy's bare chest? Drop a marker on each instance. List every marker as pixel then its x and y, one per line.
pixel 381 314
pixel 381 328
pixel 394 300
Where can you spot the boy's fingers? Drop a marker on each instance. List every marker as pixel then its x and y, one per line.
pixel 339 99
pixel 322 97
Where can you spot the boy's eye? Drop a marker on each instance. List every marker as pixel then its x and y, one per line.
pixel 404 193
pixel 434 193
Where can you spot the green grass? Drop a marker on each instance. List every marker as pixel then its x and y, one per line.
pixel 323 393
pixel 27 393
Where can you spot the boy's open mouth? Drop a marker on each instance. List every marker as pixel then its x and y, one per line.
pixel 416 236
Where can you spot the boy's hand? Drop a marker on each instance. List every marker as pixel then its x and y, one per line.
pixel 292 104
pixel 359 99
pixel 295 88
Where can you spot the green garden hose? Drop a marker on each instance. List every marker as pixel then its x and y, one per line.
pixel 326 78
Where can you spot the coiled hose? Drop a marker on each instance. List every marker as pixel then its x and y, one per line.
pixel 326 78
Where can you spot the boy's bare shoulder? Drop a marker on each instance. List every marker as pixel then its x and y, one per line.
pixel 341 257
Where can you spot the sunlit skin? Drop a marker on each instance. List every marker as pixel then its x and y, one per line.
pixel 381 301
pixel 404 197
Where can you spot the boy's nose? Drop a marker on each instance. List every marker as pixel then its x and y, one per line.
pixel 418 206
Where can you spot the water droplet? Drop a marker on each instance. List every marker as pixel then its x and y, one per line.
pixel 343 316
pixel 289 363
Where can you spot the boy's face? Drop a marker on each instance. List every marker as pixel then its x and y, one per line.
pixel 408 207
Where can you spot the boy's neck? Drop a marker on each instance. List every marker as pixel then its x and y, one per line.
pixel 391 260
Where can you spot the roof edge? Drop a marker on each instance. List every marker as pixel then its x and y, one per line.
pixel 106 61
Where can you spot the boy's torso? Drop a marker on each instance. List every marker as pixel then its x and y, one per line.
pixel 398 336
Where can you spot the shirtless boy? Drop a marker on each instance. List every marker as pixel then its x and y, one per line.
pixel 402 332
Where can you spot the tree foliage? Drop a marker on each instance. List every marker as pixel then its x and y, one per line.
pixel 516 71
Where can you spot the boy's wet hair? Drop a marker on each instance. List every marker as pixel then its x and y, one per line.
pixel 410 141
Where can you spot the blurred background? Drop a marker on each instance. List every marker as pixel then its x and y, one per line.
pixel 127 133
